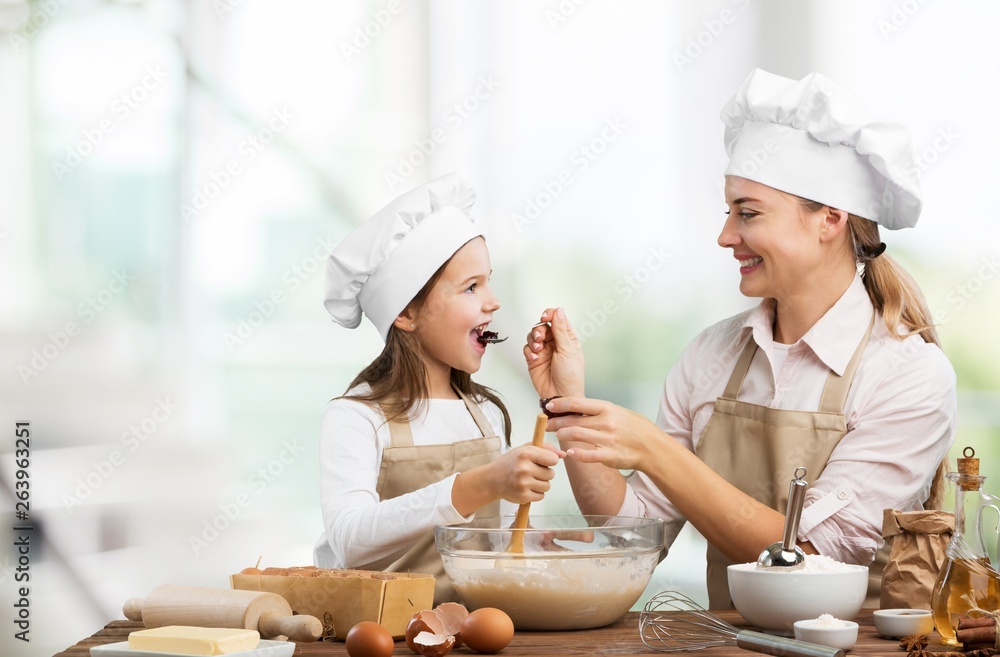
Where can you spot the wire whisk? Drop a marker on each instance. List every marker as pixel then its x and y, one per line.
pixel 673 622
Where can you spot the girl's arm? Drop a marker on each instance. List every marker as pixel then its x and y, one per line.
pixel 361 529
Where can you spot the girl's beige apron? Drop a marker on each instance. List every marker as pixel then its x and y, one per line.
pixel 407 467
pixel 757 449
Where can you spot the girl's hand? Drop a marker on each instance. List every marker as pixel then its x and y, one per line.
pixel 554 357
pixel 602 432
pixel 524 474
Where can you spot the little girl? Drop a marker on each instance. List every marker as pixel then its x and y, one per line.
pixel 414 442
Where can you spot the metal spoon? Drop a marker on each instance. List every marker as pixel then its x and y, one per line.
pixel 787 554
pixel 489 337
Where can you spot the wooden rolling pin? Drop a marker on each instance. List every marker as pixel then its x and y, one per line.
pixel 268 613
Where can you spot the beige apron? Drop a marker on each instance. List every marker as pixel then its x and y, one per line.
pixel 757 449
pixel 407 467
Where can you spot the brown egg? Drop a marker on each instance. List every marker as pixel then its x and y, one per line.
pixel 368 639
pixel 487 630
pixel 250 571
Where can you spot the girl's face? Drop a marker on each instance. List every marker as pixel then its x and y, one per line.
pixel 457 310
pixel 780 246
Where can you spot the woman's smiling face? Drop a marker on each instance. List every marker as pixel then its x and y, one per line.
pixel 775 238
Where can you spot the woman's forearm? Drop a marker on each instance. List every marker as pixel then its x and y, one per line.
pixel 598 489
pixel 734 522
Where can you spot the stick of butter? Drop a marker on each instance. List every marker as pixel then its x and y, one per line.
pixel 187 640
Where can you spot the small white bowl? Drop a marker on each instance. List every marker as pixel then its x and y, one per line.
pixel 896 623
pixel 813 631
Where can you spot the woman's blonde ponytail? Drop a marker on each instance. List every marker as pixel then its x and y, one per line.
pixel 892 290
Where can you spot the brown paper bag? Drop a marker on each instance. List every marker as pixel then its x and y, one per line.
pixel 917 540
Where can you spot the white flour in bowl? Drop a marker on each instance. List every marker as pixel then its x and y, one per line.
pixel 814 563
pixel 826 620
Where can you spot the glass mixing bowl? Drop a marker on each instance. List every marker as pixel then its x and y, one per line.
pixel 576 572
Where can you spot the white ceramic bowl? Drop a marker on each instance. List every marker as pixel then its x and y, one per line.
pixel 813 631
pixel 898 623
pixel 773 599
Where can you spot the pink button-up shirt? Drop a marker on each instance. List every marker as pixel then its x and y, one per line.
pixel 900 415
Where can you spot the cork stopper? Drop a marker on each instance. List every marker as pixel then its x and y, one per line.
pixel 968 466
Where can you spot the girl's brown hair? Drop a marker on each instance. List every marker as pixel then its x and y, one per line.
pixel 397 378
pixel 891 289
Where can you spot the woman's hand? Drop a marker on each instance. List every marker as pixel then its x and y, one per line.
pixel 602 432
pixel 554 357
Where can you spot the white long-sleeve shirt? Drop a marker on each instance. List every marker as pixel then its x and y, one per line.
pixel 900 413
pixel 359 527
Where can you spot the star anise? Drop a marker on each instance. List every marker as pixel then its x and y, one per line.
pixel 982 652
pixel 913 642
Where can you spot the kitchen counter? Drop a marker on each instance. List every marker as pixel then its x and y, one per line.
pixel 621 638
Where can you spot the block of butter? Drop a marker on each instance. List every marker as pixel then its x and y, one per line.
pixel 185 640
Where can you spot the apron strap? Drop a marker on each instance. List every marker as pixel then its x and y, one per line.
pixel 401 436
pixel 477 414
pixel 740 370
pixel 399 432
pixel 836 388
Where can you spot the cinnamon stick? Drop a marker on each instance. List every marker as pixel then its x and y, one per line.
pixel 964 623
pixel 977 634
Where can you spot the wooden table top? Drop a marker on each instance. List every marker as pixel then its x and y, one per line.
pixel 621 638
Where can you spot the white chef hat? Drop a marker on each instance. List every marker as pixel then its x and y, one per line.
pixel 383 264
pixel 815 139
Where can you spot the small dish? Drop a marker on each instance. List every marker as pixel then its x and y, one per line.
pixel 896 623
pixel 842 636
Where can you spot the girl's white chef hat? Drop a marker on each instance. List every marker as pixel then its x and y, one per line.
pixel 383 264
pixel 815 139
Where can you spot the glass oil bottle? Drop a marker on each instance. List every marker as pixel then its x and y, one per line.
pixel 968 580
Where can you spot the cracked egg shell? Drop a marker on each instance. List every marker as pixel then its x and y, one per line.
pixel 423 621
pixel 433 645
pixel 452 616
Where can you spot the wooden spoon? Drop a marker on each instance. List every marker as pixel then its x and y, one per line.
pixel 521 519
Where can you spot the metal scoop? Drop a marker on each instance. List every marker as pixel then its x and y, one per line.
pixel 787 554
pixel 489 337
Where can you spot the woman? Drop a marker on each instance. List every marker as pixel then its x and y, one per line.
pixel 838 369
